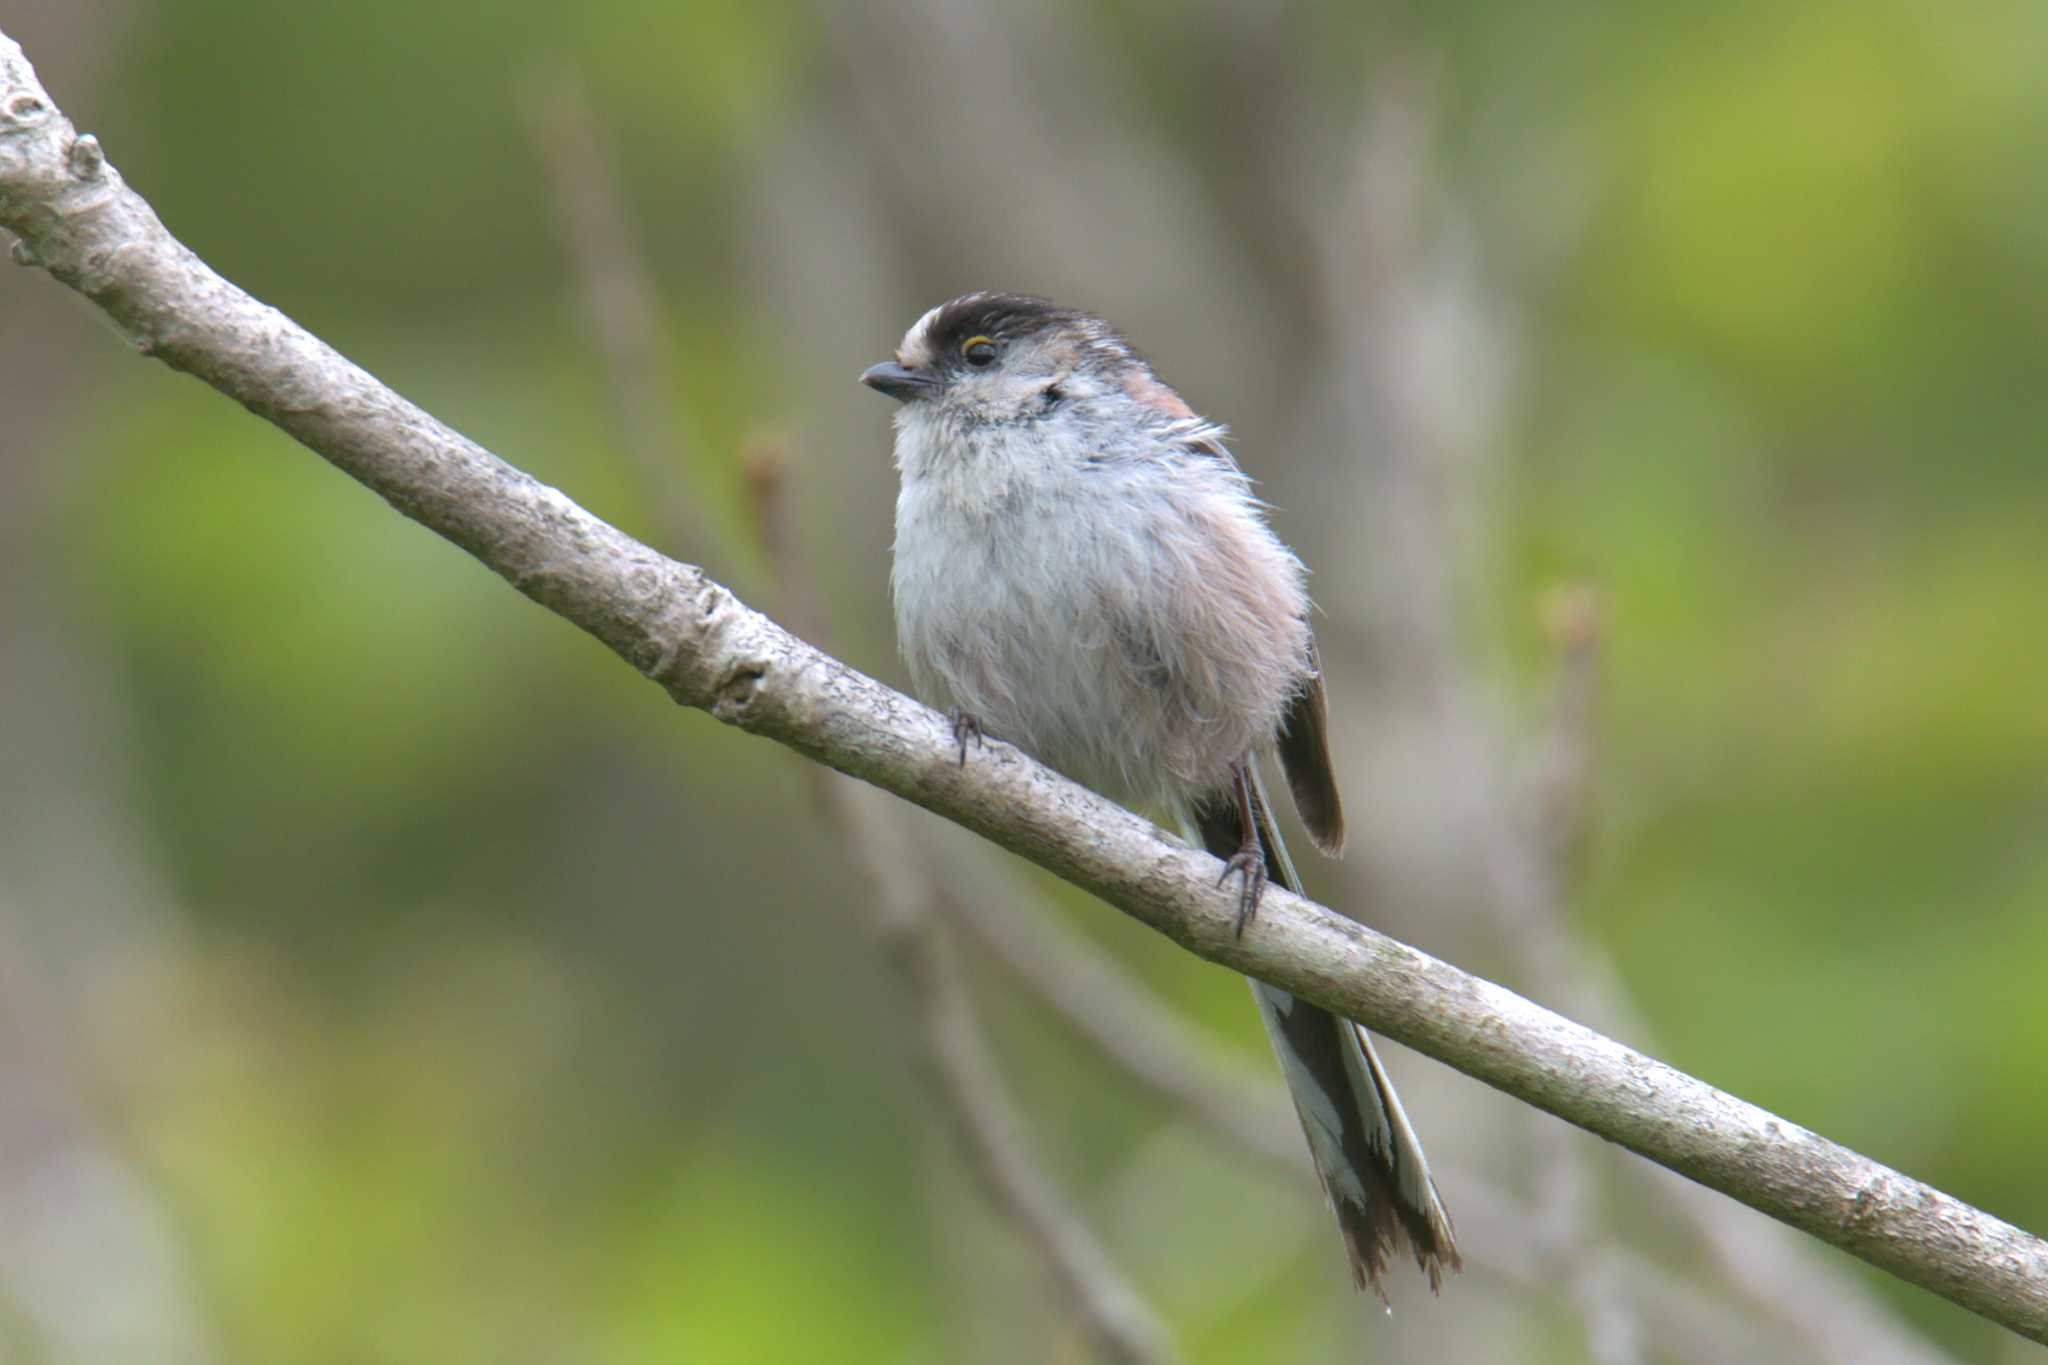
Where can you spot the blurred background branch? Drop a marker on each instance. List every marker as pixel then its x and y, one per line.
pixel 970 1092
pixel 961 1072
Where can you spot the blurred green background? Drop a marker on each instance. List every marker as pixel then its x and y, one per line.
pixel 386 973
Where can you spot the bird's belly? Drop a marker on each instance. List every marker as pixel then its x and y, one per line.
pixel 1039 636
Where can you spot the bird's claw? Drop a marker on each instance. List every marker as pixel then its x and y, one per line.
pixel 1249 862
pixel 965 724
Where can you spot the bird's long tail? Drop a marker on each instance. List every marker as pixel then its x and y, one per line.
pixel 1369 1159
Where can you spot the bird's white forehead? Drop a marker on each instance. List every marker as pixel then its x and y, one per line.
pixel 916 349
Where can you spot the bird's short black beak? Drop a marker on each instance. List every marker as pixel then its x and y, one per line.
pixel 898 381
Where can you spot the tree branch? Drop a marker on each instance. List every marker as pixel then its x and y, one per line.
pixel 76 218
pixel 617 296
pixel 1430 396
pixel 960 1070
pixel 967 1083
pixel 1107 1008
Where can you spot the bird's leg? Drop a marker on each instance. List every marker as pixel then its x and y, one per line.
pixel 965 723
pixel 1250 858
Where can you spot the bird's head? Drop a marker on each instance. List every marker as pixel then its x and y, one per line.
pixel 991 358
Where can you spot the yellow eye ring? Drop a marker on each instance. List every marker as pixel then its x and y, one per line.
pixel 978 351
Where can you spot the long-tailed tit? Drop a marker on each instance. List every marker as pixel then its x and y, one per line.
pixel 1082 569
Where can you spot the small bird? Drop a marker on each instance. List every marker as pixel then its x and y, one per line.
pixel 1081 569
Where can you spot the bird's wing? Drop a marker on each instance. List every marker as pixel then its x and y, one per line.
pixel 1305 757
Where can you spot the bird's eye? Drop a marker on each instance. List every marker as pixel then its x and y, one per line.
pixel 978 351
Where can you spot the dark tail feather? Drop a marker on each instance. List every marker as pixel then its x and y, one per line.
pixel 1368 1157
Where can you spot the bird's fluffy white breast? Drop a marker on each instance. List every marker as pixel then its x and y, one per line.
pixel 1128 618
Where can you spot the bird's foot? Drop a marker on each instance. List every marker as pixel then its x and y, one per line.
pixel 965 724
pixel 1250 863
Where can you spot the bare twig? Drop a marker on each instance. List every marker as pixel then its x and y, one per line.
pixel 960 1070
pixel 1424 422
pixel 963 1077
pixel 1127 1024
pixel 91 1264
pixel 1396 359
pixel 617 291
pixel 1550 832
pixel 1692 1322
pixel 77 218
pixel 764 464
pixel 1562 773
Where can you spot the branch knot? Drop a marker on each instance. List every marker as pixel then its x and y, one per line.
pixel 737 689
pixel 87 161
